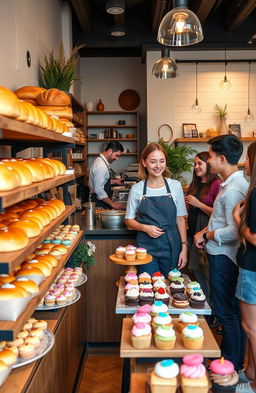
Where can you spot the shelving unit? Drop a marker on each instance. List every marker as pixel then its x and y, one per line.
pixel 205 140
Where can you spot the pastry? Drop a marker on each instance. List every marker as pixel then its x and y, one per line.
pixel 49 299
pixel 120 252
pixel 145 280
pixel 145 308
pixel 157 276
pixel 158 307
pixel 163 378
pixel 131 247
pixel 176 287
pixel 146 296
pixel 37 333
pixel 130 286
pixel 159 284
pixel 141 253
pixel 8 357
pixel 165 337
pixel 32 340
pixel 223 376
pixel 173 274
pixel 162 319
pixel 132 297
pixel 130 255
pixel 23 334
pixel 197 299
pixel 26 350
pixel 141 317
pixel 145 286
pixel 27 326
pixel 40 324
pixel 130 276
pixel 144 275
pixel 61 299
pixel 12 348
pixel 141 335
pixel 185 319
pixel 162 295
pixel 180 300
pixel 191 285
pixel 192 337
pixel 16 342
pixel 193 374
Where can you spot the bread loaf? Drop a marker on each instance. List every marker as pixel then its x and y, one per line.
pixel 53 97
pixel 31 228
pixel 61 111
pixel 24 172
pixel 67 122
pixel 12 239
pixel 32 102
pixel 25 283
pixel 8 178
pixel 29 92
pixel 9 105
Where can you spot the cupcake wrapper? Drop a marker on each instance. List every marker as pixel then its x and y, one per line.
pixel 149 301
pixel 160 344
pixel 142 341
pixel 223 389
pixel 192 344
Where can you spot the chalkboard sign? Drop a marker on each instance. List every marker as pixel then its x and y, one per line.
pixel 235 129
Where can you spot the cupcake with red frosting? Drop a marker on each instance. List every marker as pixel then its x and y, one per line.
pixel 193 374
pixel 223 376
pixel 141 335
pixel 162 295
pixel 146 297
pixel 157 276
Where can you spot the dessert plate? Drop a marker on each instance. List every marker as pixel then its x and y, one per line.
pixel 75 298
pixel 44 347
pixel 82 280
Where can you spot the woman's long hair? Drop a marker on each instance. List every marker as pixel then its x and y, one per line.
pixel 196 180
pixel 251 152
pixel 143 172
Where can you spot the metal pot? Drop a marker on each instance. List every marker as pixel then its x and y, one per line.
pixel 113 219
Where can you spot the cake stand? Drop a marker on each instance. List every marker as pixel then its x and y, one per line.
pixel 131 265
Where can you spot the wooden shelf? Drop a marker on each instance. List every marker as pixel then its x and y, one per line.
pixel 78 120
pixel 80 175
pixel 123 154
pixel 9 260
pixel 9 198
pixel 80 143
pixel 10 329
pixel 138 383
pixel 77 159
pixel 108 139
pixel 210 346
pixel 111 113
pixel 112 126
pixel 14 130
pixel 205 140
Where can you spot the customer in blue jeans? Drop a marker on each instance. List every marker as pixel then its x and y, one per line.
pixel 221 242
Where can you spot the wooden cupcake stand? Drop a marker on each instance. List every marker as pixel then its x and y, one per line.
pixel 131 265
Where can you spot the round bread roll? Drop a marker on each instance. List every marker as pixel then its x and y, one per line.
pixel 46 262
pixel 34 219
pixel 3 366
pixel 29 257
pixel 45 210
pixel 39 265
pixel 49 171
pixel 24 111
pixel 53 97
pixel 9 178
pixel 61 248
pixel 59 203
pixel 67 122
pixel 9 105
pixel 28 285
pixel 29 271
pixel 6 216
pixel 47 258
pixel 29 92
pixel 29 204
pixel 9 291
pixel 24 172
pixel 39 215
pixel 12 239
pixel 8 357
pixel 15 209
pixel 60 165
pixel 61 111
pixel 6 278
pixel 31 228
pixel 32 117
pixel 36 168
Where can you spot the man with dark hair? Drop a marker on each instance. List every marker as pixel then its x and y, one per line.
pixel 99 176
pixel 221 242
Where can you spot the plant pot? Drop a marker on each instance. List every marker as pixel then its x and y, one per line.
pixel 223 129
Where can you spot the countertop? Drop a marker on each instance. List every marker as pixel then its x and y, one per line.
pixel 100 230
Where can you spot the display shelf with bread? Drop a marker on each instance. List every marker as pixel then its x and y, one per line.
pixel 9 329
pixel 9 260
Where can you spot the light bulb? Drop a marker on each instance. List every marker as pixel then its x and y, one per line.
pixel 196 107
pixel 249 116
pixel 225 84
pixel 180 21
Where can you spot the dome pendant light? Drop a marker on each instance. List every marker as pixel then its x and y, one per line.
pixel 225 84
pixel 195 107
pixel 180 26
pixel 165 67
pixel 115 7
pixel 249 116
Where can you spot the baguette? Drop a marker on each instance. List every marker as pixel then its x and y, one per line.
pixel 60 111
pixel 28 92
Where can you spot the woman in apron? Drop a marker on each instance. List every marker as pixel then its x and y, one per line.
pixel 156 210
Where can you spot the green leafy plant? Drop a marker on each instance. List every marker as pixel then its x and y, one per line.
pixel 84 255
pixel 59 72
pixel 221 112
pixel 180 159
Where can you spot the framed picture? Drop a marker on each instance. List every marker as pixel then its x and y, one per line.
pixel 189 130
pixel 235 129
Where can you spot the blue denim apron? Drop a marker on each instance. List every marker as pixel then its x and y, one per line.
pixel 160 211
pixel 107 189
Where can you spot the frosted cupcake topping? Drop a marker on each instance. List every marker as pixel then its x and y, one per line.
pixel 130 286
pixel 133 292
pixel 158 307
pixel 161 294
pixel 159 284
pixel 162 318
pixel 177 285
pixel 146 293
pixel 141 317
pixel 174 273
pixel 144 275
pixel 193 284
pixel 141 329
pixel 130 276
pixel 165 331
pixel 140 249
pixel 121 249
pixel 166 369
pixel 198 295
pixel 146 286
pixel 130 252
pixel 188 317
pixel 192 331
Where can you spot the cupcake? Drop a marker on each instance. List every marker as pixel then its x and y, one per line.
pixel 120 252
pixel 223 376
pixel 33 340
pixel 131 297
pixel 163 378
pixel 197 299
pixel 162 295
pixel 145 280
pixel 191 285
pixel 173 274
pixel 131 247
pixel 158 307
pixel 180 300
pixel 165 337
pixel 192 337
pixel 146 308
pixel 141 317
pixel 176 287
pixel 146 297
pixel 61 300
pixel 145 286
pixel 141 253
pixel 26 350
pixel 38 332
pixel 130 286
pixel 157 276
pixel 130 276
pixel 159 284
pixel 144 275
pixel 193 374
pixel 185 319
pixel 130 255
pixel 163 318
pixel 141 335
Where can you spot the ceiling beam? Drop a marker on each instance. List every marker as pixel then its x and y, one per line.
pixel 202 8
pixel 239 12
pixel 82 10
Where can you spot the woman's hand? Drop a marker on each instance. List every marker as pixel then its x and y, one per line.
pixel 153 231
pixel 237 211
pixel 199 240
pixel 192 200
pixel 183 258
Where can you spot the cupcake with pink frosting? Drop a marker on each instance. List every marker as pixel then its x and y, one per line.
pixel 141 317
pixel 193 374
pixel 223 376
pixel 130 276
pixel 120 252
pixel 141 335
pixel 141 253
pixel 130 286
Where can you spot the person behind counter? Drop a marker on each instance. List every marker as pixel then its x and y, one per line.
pixel 99 177
pixel 156 209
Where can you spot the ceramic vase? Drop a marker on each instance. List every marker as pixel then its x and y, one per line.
pixel 223 129
pixel 100 106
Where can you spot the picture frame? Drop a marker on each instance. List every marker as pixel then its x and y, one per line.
pixel 189 130
pixel 235 129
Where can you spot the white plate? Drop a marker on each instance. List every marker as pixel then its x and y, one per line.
pixel 82 279
pixel 75 298
pixel 44 347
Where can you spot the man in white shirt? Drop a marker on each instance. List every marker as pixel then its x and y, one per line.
pixel 221 242
pixel 99 177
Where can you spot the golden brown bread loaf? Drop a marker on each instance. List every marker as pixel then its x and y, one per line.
pixel 12 239
pixel 31 228
pixel 24 172
pixel 8 357
pixel 53 97
pixel 9 178
pixel 10 291
pixel 61 111
pixel 67 123
pixel 32 102
pixel 25 283
pixel 28 92
pixel 9 105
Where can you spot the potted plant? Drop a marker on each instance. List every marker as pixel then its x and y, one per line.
pixel 180 159
pixel 222 113
pixel 59 72
pixel 83 255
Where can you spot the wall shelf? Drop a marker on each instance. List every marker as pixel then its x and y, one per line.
pixel 205 140
pixel 109 140
pixel 10 329
pixel 112 126
pixel 123 154
pixel 9 260
pixel 111 113
pixel 78 159
pixel 80 175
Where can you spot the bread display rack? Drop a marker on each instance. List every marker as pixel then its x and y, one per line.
pixel 19 136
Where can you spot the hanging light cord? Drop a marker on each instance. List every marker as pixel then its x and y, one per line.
pixel 196 102
pixel 249 84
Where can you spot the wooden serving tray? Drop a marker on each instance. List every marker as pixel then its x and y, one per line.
pixel 124 262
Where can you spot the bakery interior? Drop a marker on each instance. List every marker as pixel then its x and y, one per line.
pixel 74 319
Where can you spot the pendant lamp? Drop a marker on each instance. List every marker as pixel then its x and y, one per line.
pixel 249 116
pixel 117 30
pixel 180 26
pixel 115 7
pixel 195 107
pixel 225 84
pixel 165 67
